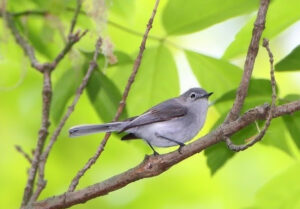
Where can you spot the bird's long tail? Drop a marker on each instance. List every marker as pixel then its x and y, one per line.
pixel 90 129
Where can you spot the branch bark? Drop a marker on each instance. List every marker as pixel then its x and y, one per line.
pixel 46 69
pixel 44 156
pixel 261 134
pixel 241 94
pixel 155 165
pixel 121 107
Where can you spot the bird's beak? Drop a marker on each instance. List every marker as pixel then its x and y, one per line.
pixel 208 94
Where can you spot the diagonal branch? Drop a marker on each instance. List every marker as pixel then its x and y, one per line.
pixel 44 156
pixel 136 66
pixel 155 165
pixel 241 94
pixel 261 134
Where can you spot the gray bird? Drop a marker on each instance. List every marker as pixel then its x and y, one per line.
pixel 167 124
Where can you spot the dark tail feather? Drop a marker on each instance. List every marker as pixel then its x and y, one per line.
pixel 129 137
pixel 90 129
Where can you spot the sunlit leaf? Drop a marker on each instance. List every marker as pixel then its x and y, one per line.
pixel 104 96
pixel 156 80
pixel 216 75
pixel 280 16
pixel 182 17
pixel 280 192
pixel 291 62
pixel 257 88
pixel 121 7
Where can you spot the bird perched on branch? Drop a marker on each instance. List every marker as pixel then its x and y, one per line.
pixel 170 123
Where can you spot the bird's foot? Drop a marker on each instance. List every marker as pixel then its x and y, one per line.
pixel 181 145
pixel 155 153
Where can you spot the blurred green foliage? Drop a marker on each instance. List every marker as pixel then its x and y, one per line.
pixel 265 176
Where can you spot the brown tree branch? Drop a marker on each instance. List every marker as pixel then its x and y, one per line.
pixel 43 133
pixel 44 156
pixel 261 134
pixel 22 152
pixel 28 50
pixel 136 66
pixel 76 13
pixel 155 165
pixel 46 69
pixel 241 94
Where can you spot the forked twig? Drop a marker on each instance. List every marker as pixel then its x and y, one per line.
pixel 261 134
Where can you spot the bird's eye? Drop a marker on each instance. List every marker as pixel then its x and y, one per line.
pixel 193 95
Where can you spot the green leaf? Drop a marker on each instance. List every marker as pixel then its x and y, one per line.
pixel 156 80
pixel 280 16
pixel 104 96
pixel 182 17
pixel 292 122
pixel 280 192
pixel 215 75
pixel 257 88
pixel 64 89
pixel 122 8
pixel 291 62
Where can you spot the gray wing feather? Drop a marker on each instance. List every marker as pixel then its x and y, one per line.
pixel 167 110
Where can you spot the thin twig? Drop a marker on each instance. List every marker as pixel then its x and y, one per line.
pixel 28 50
pixel 109 22
pixel 73 38
pixel 76 13
pixel 155 165
pixel 44 157
pixel 43 133
pixel 136 66
pixel 241 94
pixel 261 134
pixel 20 150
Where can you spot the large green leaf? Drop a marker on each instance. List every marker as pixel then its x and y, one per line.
pixel 156 80
pixel 104 96
pixel 182 17
pixel 291 62
pixel 280 192
pixel 258 88
pixel 292 122
pixel 280 16
pixel 64 89
pixel 215 75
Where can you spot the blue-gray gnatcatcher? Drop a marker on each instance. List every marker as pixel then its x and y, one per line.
pixel 169 123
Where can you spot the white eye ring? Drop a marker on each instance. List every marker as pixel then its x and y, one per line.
pixel 193 95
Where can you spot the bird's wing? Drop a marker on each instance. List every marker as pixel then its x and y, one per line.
pixel 162 112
